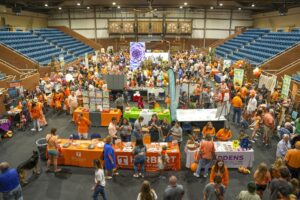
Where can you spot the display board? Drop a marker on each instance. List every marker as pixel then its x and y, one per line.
pixel 115 82
pixel 95 100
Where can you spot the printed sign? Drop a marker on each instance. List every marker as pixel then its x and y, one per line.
pixel 286 86
pixel 238 76
pixel 137 54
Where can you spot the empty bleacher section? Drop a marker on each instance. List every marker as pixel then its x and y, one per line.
pixel 44 45
pixel 258 45
pixel 64 41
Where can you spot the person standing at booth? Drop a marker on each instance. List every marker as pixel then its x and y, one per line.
pixel 154 128
pixel 109 158
pixel 83 125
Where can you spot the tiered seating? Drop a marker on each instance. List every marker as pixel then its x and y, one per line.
pixel 239 41
pixel 64 41
pixel 30 45
pixel 261 48
pixel 296 77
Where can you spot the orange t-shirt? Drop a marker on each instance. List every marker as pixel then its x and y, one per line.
pixel 208 131
pixel 207 149
pixel 83 125
pixel 275 96
pixel 35 112
pixel 223 136
pixel 264 181
pixel 237 102
pixel 224 175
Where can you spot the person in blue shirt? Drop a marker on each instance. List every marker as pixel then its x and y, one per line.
pixel 109 157
pixel 10 183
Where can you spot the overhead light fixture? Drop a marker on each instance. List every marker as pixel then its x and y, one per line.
pixel 119 7
pixel 46 5
pixel 113 3
pixel 211 7
pixel 59 8
pixel 180 7
pixel 253 5
pixel 239 8
pixel 185 3
pixel 88 7
pixel 221 4
pixel 78 4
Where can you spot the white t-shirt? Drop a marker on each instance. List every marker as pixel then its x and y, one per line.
pixel 152 191
pixel 99 177
pixel 112 130
pixel 72 101
pixel 252 105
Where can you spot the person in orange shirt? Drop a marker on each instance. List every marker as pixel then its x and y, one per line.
pixel 35 114
pixel 275 96
pixel 219 169
pixel 237 104
pixel 42 119
pixel 244 92
pixel 224 134
pixel 83 125
pixel 292 160
pixel 261 177
pixel 209 129
pixel 57 102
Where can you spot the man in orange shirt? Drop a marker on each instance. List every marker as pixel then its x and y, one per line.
pixel 83 125
pixel 237 104
pixel 275 95
pixel 292 160
pixel 207 150
pixel 269 125
pixel 224 134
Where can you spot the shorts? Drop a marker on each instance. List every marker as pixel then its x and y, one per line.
pixel 261 187
pixel 83 135
pixel 267 131
pixel 52 152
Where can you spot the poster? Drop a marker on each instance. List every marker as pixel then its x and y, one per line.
pixel 238 76
pixel 137 54
pixel 226 64
pixel 286 86
pixel 268 81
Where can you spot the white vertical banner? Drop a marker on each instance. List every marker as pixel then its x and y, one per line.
pixel 86 60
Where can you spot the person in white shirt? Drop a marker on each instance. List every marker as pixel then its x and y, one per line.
pixel 113 129
pixel 283 146
pixel 146 192
pixel 72 100
pixel 252 104
pixel 99 181
pixel 48 88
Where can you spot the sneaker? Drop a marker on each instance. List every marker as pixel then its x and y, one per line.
pixel 205 175
pixel 267 145
pixel 255 139
pixel 197 175
pixel 33 129
pixel 108 177
pixel 40 130
pixel 135 175
pixel 142 176
pixel 252 141
pixel 116 173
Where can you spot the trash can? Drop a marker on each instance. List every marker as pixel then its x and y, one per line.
pixel 42 148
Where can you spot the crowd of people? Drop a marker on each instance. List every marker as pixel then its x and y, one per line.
pixel 259 113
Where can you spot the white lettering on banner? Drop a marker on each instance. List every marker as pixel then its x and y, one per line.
pixel 122 160
pixel 78 154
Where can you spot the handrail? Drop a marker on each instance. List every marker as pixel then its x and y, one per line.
pixel 289 66
pixel 280 53
pixel 10 66
pixel 19 53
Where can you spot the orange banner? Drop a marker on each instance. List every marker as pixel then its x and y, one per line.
pixel 80 156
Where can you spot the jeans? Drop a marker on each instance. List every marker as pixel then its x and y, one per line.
pixel 294 172
pixel 15 194
pixel 99 189
pixel 139 160
pixel 238 112
pixel 137 135
pixel 36 124
pixel 126 138
pixel 206 163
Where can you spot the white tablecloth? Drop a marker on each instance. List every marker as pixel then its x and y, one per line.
pixel 232 158
pixel 198 115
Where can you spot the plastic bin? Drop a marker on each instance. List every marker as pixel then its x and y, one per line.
pixel 42 148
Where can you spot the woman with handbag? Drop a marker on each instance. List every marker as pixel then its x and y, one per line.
pixel 53 150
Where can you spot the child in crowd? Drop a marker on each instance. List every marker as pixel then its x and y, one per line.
pixel 163 160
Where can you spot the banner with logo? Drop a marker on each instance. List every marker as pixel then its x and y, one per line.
pixel 137 54
pixel 172 94
pixel 238 76
pixel 286 86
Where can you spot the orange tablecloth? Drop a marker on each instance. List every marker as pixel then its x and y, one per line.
pixel 86 114
pixel 83 157
pixel 106 116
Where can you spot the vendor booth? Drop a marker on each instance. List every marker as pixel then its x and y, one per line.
pixel 134 113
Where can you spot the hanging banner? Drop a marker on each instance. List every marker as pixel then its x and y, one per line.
pixel 137 54
pixel 268 81
pixel 238 76
pixel 172 94
pixel 294 90
pixel 61 61
pixel 86 60
pixel 286 86
pixel 226 64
